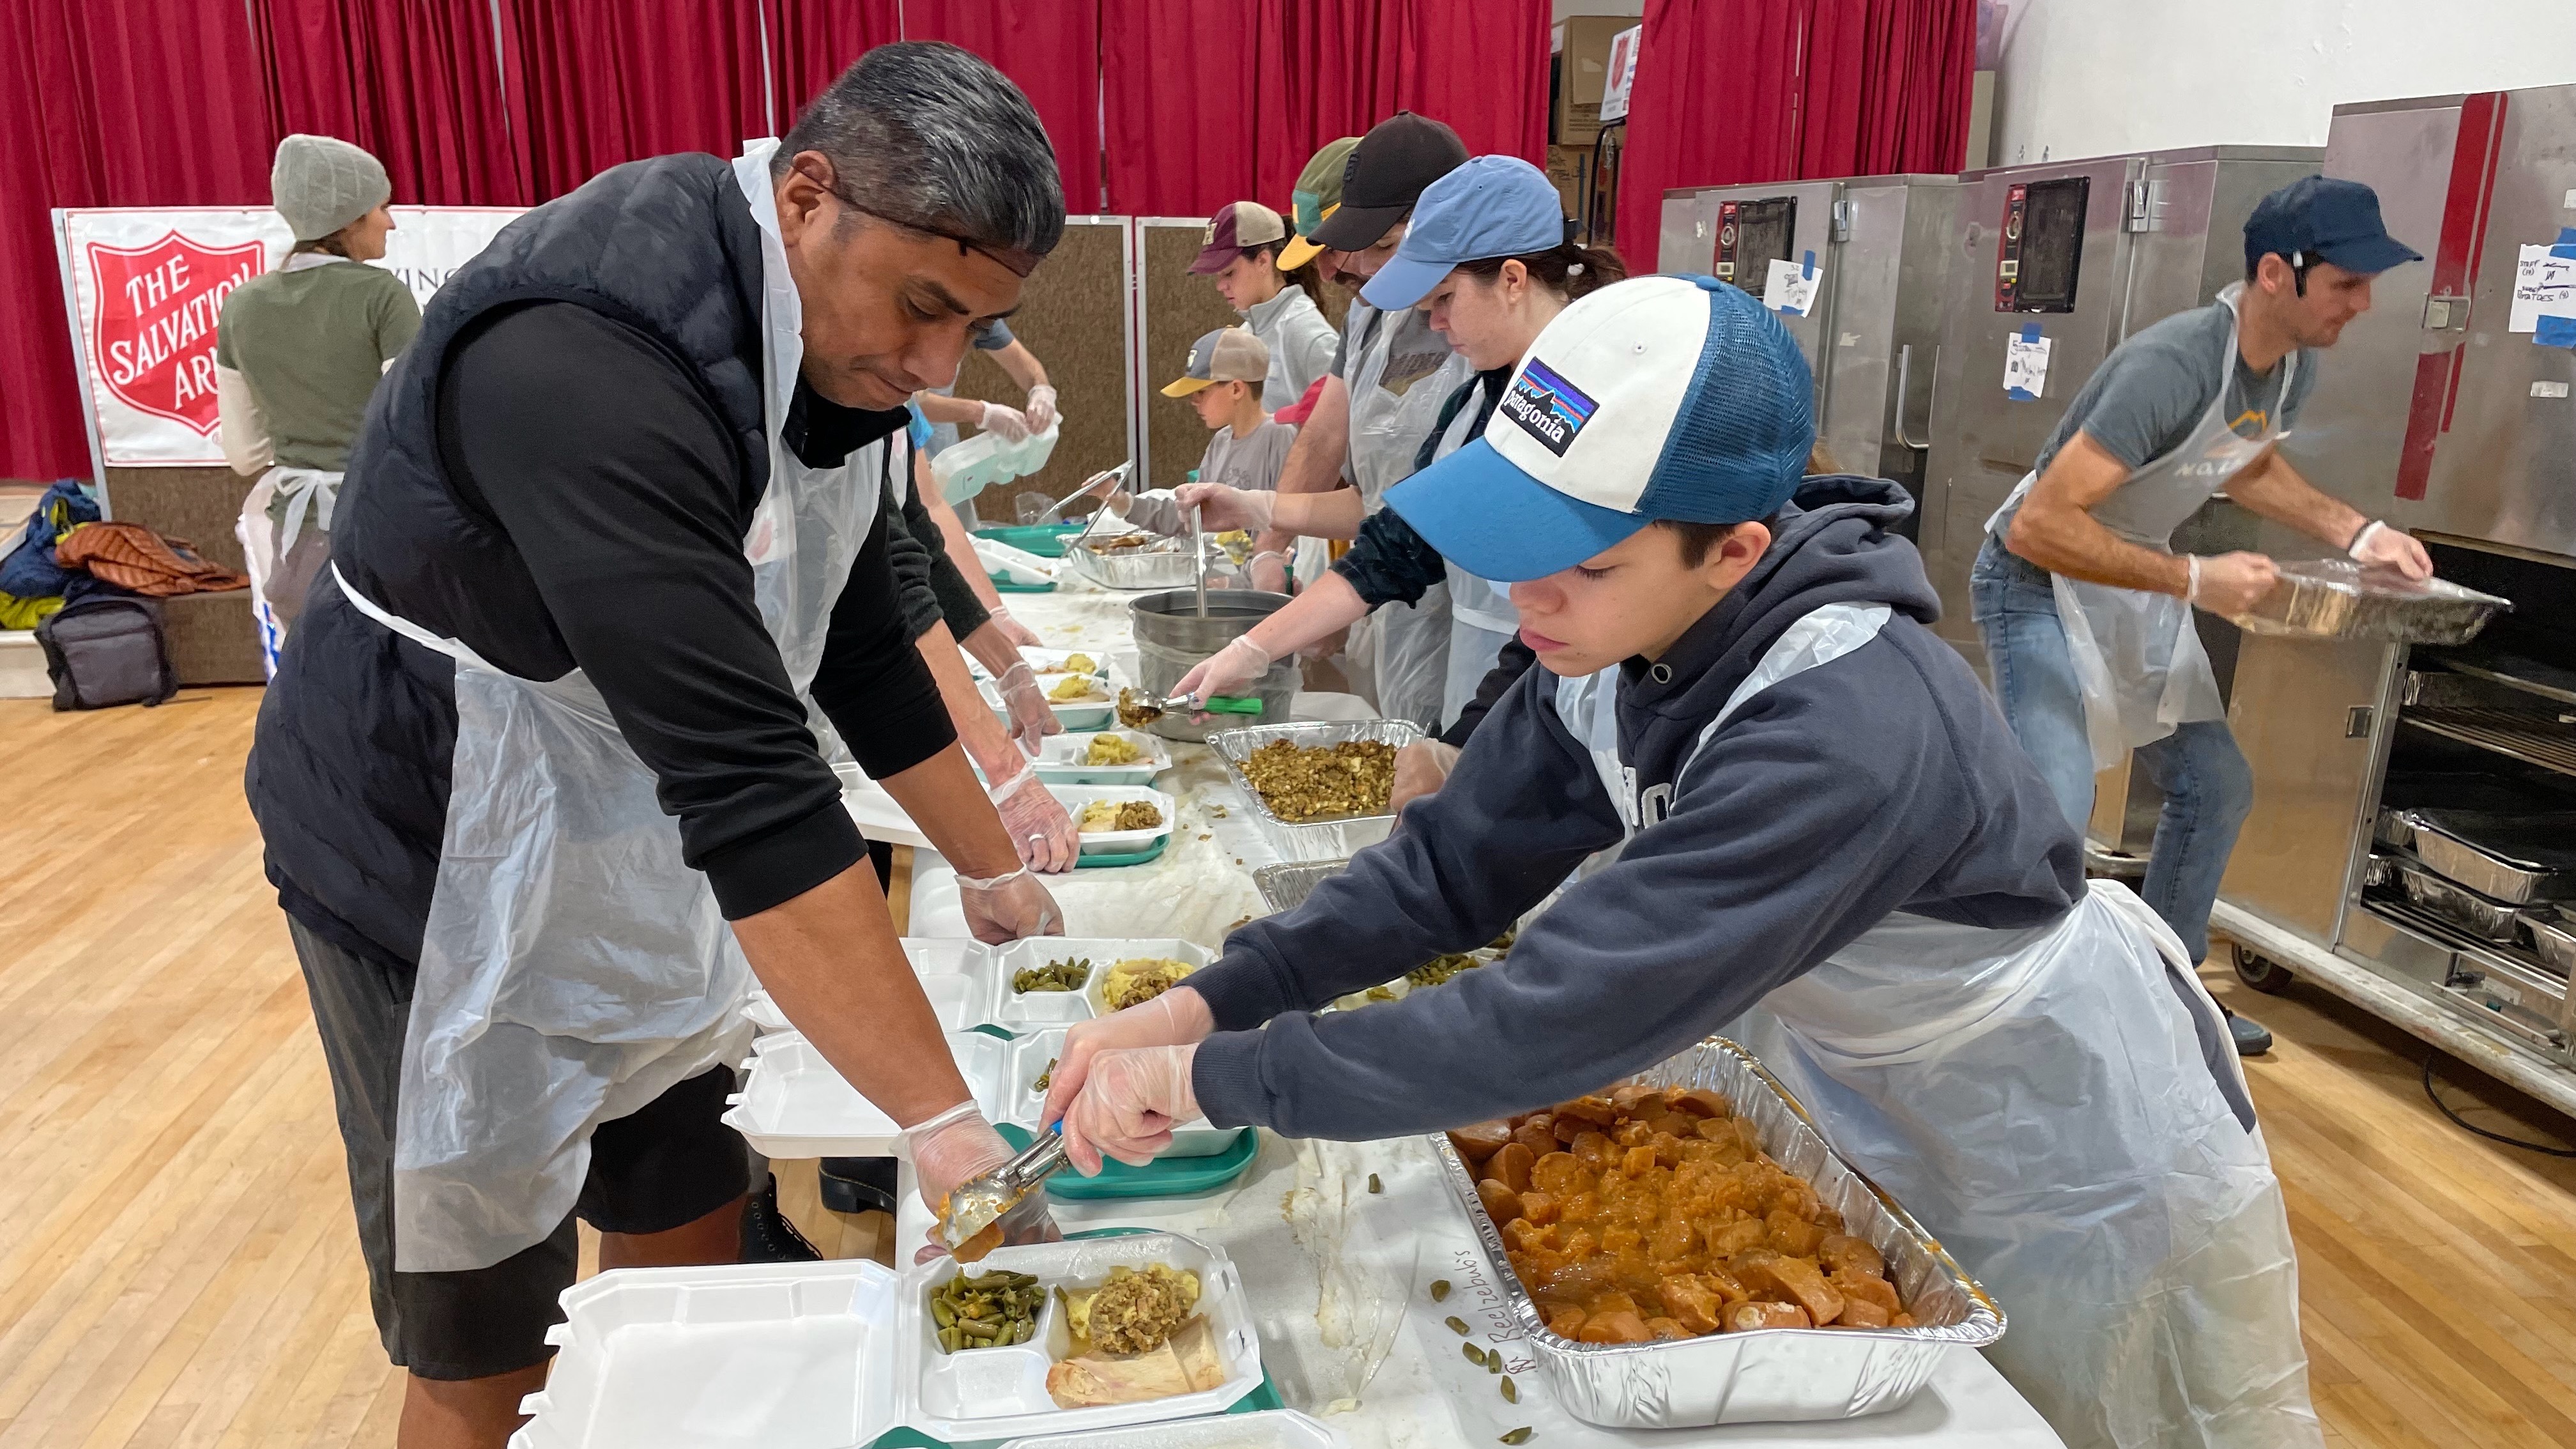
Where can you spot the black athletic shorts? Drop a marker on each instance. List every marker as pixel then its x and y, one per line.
pixel 663 1167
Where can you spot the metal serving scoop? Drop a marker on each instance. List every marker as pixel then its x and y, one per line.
pixel 971 1221
pixel 1144 709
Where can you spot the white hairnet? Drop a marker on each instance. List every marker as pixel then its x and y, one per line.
pixel 322 183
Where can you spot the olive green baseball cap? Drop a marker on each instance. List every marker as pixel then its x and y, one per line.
pixel 1318 195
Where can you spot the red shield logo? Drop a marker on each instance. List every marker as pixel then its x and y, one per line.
pixel 152 340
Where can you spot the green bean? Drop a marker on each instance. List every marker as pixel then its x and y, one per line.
pixel 1511 1395
pixel 1457 1325
pixel 1375 1185
pixel 1439 1289
pixel 1520 1435
pixel 1474 1354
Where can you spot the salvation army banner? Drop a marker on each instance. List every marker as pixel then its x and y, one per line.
pixel 146 285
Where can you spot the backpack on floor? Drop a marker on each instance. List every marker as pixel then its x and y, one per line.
pixel 107 651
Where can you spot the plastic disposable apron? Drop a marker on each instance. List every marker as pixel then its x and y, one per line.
pixel 2061 1108
pixel 1481 617
pixel 2137 654
pixel 574 968
pixel 1390 418
pixel 285 533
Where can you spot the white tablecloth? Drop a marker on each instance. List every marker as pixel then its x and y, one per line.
pixel 1340 1276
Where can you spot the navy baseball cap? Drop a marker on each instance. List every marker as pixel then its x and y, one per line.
pixel 1494 206
pixel 2324 219
pixel 1655 398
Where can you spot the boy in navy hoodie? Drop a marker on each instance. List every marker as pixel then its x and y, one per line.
pixel 1789 812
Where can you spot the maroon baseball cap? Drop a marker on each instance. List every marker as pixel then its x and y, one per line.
pixel 1241 224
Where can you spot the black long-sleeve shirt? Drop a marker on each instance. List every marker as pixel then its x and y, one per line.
pixel 620 489
pixel 934 589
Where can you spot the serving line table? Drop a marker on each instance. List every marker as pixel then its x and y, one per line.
pixel 1340 1276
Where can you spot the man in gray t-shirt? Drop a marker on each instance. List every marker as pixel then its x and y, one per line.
pixel 2086 610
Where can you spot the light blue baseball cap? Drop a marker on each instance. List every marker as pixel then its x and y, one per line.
pixel 1494 206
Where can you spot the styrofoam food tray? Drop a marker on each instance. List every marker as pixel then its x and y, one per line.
pixel 1043 1009
pixel 1117 842
pixel 1024 1057
pixel 1060 759
pixel 793 1104
pixel 833 1354
pixel 1267 1429
pixel 947 970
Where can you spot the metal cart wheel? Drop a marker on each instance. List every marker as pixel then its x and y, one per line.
pixel 2260 972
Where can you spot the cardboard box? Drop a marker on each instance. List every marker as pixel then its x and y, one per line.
pixel 1568 167
pixel 1581 69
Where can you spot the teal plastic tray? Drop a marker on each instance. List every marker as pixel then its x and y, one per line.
pixel 1168 1177
pixel 1046 542
pixel 1131 857
pixel 1003 585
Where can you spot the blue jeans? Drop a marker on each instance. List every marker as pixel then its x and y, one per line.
pixel 2207 785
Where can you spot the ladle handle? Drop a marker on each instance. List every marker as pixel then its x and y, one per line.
pixel 1198 557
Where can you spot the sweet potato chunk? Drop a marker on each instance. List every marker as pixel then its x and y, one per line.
pixel 1861 1313
pixel 1617 1326
pixel 1637 1161
pixel 1865 1288
pixel 1538 1207
pixel 1672 1238
pixel 1501 1203
pixel 1565 1322
pixel 1691 1302
pixel 1791 1235
pixel 1664 1330
pixel 1593 1150
pixel 1745 1317
pixel 1510 1166
pixel 1558 1174
pixel 1478 1141
pixel 1716 1129
pixel 1596 1110
pixel 1737 1236
pixel 1520 1235
pixel 1808 1289
pixel 1538 1136
pixel 1841 1250
pixel 1701 1102
pixel 1631 1099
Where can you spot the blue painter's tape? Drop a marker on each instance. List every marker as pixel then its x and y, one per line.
pixel 2030 332
pixel 2021 394
pixel 1810 265
pixel 2555 332
pixel 2567 236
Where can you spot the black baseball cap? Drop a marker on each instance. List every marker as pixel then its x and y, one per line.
pixel 1388 170
pixel 2324 219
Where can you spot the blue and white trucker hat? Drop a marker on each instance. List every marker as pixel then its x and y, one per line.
pixel 1655 398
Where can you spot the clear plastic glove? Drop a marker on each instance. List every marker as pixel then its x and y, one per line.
pixel 2230 584
pixel 1041 409
pixel 1178 1017
pixel 1038 823
pixel 954 1148
pixel 1131 1100
pixel 1269 571
pixel 1013 630
pixel 1008 908
pixel 2382 546
pixel 1031 719
pixel 1421 768
pixel 1229 671
pixel 1011 423
pixel 1222 507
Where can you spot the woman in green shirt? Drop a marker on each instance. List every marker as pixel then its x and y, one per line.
pixel 297 355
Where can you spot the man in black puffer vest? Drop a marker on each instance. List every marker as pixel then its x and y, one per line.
pixel 559 566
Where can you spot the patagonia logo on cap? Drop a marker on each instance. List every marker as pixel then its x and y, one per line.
pixel 1547 407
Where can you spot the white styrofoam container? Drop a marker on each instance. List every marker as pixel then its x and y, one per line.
pixel 1267 1429
pixel 1038 1010
pixel 832 1354
pixel 1060 759
pixel 1026 1057
pixel 793 1104
pixel 949 977
pixel 1117 842
pixel 1084 714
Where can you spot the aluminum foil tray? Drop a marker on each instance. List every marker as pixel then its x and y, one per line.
pixel 2553 939
pixel 1283 886
pixel 2459 905
pixel 1319 840
pixel 2379 870
pixel 2333 598
pixel 1151 567
pixel 1774 1373
pixel 2520 857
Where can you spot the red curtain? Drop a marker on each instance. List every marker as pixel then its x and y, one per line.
pixel 416 82
pixel 593 83
pixel 812 41
pixel 1780 90
pixel 1051 50
pixel 1211 101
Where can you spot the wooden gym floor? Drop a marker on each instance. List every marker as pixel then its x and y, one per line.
pixel 177 1265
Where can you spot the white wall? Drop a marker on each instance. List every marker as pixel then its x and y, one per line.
pixel 2098 77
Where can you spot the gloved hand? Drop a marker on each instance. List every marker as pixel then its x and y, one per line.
pixel 2229 584
pixel 1040 409
pixel 1222 507
pixel 1178 1017
pixel 956 1147
pixel 1269 571
pixel 1227 672
pixel 1008 908
pixel 1031 719
pixel 1013 630
pixel 1421 768
pixel 1038 823
pixel 1011 423
pixel 2378 544
pixel 1131 1100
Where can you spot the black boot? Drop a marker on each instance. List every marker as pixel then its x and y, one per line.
pixel 767 1235
pixel 858 1184
pixel 2250 1037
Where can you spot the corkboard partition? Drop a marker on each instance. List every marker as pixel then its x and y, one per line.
pixel 1073 315
pixel 1178 309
